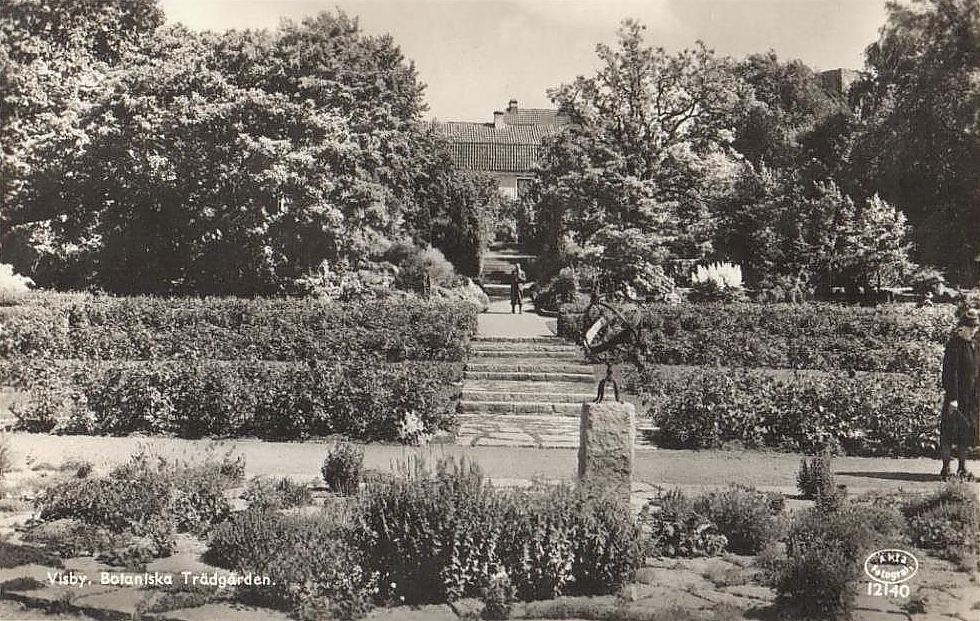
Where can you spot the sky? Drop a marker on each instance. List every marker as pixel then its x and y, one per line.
pixel 476 55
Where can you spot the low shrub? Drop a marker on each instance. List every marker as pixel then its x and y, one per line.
pixel 444 534
pixel 343 467
pixel 15 555
pixel 314 569
pixel 816 477
pixel 947 522
pixel 278 493
pixel 149 496
pixel 744 515
pixel 212 398
pixel 824 556
pixel 819 336
pixel 675 528
pixel 562 289
pixel 804 412
pixel 149 328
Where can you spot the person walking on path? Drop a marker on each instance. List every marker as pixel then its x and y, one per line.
pixel 516 294
pixel 961 403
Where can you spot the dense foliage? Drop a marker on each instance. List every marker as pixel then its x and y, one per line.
pixel 444 535
pixel 213 398
pixel 812 336
pixel 870 414
pixel 149 496
pixel 824 553
pixel 148 328
pixel 148 158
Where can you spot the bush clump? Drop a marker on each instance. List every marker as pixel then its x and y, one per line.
pixel 343 468
pixel 818 336
pixel 442 535
pixel 744 515
pixel 805 412
pixel 675 528
pixel 947 522
pixel 149 496
pixel 825 550
pixel 191 398
pixel 314 568
pixel 277 493
pixel 816 477
pixel 151 328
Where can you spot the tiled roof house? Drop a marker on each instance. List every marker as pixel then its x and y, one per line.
pixel 505 148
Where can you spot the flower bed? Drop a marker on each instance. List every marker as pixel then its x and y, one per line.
pixel 147 328
pixel 869 414
pixel 216 398
pixel 811 336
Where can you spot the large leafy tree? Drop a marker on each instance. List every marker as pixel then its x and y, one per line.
pixel 55 57
pixel 921 145
pixel 233 162
pixel 632 165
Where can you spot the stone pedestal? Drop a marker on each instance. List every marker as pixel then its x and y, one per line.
pixel 605 452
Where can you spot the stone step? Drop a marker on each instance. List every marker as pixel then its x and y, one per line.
pixel 472 394
pixel 585 378
pixel 572 353
pixel 529 366
pixel 544 340
pixel 510 386
pixel 520 407
pixel 553 345
pixel 502 290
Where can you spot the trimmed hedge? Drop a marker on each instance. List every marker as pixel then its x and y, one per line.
pixel 819 336
pixel 869 414
pixel 215 398
pixel 149 328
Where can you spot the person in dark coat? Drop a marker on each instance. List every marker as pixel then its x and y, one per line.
pixel 961 383
pixel 516 294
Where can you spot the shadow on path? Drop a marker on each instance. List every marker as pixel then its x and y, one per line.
pixel 893 476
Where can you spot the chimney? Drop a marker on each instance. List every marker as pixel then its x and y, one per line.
pixel 512 106
pixel 498 119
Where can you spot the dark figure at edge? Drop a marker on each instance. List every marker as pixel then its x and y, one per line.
pixel 961 403
pixel 516 294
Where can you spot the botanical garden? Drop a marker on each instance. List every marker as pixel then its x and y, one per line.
pixel 243 286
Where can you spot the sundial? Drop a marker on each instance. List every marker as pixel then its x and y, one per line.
pixel 607 336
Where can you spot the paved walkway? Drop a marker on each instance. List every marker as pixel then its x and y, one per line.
pixel 499 322
pixel 523 385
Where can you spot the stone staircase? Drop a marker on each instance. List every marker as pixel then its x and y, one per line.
pixel 523 391
pixel 498 264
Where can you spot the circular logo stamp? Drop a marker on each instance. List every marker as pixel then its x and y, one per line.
pixel 891 566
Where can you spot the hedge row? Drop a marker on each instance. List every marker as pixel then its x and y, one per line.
pixel 215 398
pixel 869 414
pixel 148 328
pixel 813 336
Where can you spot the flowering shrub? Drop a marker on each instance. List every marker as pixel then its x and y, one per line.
pixel 804 412
pixel 12 286
pixel 215 398
pixel 718 282
pixel 446 534
pixel 273 494
pixel 147 328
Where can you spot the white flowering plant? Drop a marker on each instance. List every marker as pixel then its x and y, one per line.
pixel 717 282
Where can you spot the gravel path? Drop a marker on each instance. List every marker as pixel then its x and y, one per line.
pixel 301 460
